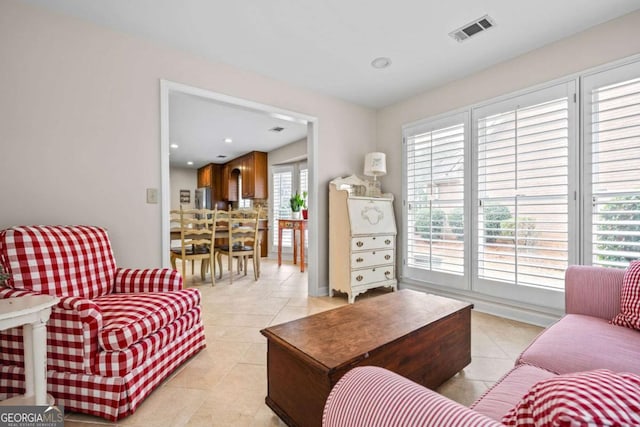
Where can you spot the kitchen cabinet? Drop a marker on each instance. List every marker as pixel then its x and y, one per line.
pixel 252 168
pixel 362 242
pixel 254 175
pixel 211 176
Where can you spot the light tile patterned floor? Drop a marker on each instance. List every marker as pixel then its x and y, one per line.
pixel 225 384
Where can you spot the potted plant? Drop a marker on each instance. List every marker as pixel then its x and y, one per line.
pixel 296 202
pixel 305 211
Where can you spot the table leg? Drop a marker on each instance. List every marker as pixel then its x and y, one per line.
pixel 295 247
pixel 27 341
pixel 302 249
pixel 279 246
pixel 39 335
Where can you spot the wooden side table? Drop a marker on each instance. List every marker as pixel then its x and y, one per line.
pixel 32 313
pixel 292 224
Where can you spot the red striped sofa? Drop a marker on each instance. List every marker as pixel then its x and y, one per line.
pixel 116 333
pixel 583 340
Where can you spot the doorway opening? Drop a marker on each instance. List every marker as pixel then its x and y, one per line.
pixel 168 88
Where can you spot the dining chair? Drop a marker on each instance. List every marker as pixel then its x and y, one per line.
pixel 197 239
pixel 243 243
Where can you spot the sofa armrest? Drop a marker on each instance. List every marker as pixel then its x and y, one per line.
pixel 147 280
pixel 593 291
pixel 371 396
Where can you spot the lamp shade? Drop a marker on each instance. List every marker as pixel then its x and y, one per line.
pixel 375 164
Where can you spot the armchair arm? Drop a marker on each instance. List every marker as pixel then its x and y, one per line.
pixel 72 334
pixel 371 396
pixel 593 291
pixel 147 280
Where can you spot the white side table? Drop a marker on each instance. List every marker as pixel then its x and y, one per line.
pixel 32 313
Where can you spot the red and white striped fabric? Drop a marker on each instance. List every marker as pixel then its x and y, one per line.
pixel 593 398
pixel 372 396
pixel 59 260
pixel 128 318
pixel 593 291
pixel 629 315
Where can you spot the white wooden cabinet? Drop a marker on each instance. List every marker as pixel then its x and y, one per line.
pixel 362 242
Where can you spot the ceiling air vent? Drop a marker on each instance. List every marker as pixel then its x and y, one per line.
pixel 473 28
pixel 221 156
pixel 276 129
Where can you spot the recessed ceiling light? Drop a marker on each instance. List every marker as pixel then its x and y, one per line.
pixel 381 62
pixel 190 163
pixel 228 140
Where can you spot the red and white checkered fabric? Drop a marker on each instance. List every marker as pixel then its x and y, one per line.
pixel 629 315
pixel 110 397
pixel 150 322
pixel 593 398
pixel 58 260
pixel 372 396
pixel 148 280
pixel 120 363
pixel 128 318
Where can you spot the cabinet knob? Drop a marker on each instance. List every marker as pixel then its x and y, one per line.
pixel 359 278
pixel 388 242
pixel 387 257
pixel 359 244
pixel 359 260
pixel 386 273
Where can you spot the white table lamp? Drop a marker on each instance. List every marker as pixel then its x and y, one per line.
pixel 375 165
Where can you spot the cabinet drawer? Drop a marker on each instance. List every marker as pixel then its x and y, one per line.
pixel 371 258
pixel 372 275
pixel 373 242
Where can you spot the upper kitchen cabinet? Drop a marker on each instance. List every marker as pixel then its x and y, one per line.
pixel 254 175
pixel 211 176
pixel 252 171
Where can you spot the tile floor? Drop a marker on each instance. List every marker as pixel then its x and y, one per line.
pixel 225 384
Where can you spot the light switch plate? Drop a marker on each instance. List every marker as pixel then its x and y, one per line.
pixel 152 195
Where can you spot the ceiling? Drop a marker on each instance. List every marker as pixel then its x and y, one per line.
pixel 328 45
pixel 199 126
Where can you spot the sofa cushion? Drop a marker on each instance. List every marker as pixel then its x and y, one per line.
pixel 59 260
pixel 582 343
pixel 128 318
pixel 508 391
pixel 595 398
pixel 629 315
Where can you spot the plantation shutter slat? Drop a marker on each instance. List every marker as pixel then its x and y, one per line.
pixel 614 137
pixel 435 199
pixel 523 169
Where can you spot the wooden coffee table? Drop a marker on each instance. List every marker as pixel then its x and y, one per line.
pixel 425 338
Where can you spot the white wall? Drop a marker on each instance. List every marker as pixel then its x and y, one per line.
pixel 182 179
pixel 293 152
pixel 80 127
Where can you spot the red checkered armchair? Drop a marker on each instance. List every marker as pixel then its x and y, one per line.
pixel 116 333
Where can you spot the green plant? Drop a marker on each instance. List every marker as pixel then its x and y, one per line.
pixel 296 202
pixel 430 223
pixel 456 223
pixel 493 217
pixel 526 227
pixel 304 199
pixel 620 222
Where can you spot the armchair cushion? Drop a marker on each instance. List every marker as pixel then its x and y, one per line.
pixel 128 318
pixel 629 315
pixel 58 260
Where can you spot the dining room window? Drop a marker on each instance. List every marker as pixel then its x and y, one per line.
pixel 287 179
